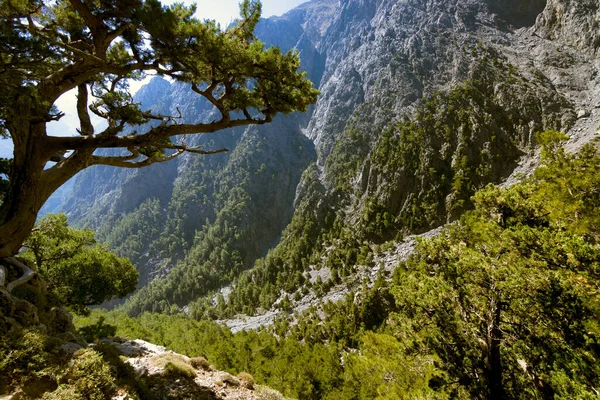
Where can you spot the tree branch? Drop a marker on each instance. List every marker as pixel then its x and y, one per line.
pixel 123 162
pixel 127 161
pixel 28 273
pixel 152 137
pixel 87 129
pixel 92 21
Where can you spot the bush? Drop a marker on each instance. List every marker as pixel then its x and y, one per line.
pixel 99 330
pixel 247 380
pixel 200 363
pixel 87 377
pixel 265 393
pixel 175 364
pixel 229 379
pixel 23 355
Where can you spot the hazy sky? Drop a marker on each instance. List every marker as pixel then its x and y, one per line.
pixel 223 11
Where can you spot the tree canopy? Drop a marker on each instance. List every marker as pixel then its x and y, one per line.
pixel 79 272
pixel 507 299
pixel 48 48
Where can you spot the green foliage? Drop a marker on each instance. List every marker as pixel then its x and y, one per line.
pixel 281 268
pixel 174 364
pixel 96 331
pixel 31 361
pixel 568 185
pixel 423 169
pixel 78 272
pixel 508 298
pixel 346 157
pixel 218 230
pixel 87 377
pixel 194 51
pixel 25 357
pixel 432 164
pixel 131 233
pixel 382 370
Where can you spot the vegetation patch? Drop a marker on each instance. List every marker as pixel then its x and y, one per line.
pixel 174 364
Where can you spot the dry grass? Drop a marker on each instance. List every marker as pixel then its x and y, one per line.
pixel 200 363
pixel 266 393
pixel 246 379
pixel 174 363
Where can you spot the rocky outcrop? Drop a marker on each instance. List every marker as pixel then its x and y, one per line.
pixel 29 306
pixel 169 375
pixel 573 22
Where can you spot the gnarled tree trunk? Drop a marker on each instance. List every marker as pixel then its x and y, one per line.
pixel 30 184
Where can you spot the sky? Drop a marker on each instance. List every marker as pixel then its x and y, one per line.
pixel 222 11
pixel 225 11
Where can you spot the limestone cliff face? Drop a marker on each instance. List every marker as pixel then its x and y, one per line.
pixel 532 61
pixel 573 22
pixel 392 53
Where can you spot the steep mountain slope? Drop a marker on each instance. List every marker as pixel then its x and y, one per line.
pixel 153 215
pixel 423 103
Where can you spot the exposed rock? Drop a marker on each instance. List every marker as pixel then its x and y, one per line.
pixel 575 22
pixel 25 313
pixel 70 348
pixel 59 321
pixel 136 348
pixel 205 384
pixel 583 114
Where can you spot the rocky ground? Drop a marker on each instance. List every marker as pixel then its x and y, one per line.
pixel 175 376
pixel 387 259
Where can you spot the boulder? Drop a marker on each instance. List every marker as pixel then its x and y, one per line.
pixel 25 313
pixel 60 321
pixel 69 348
pixel 583 114
pixel 7 303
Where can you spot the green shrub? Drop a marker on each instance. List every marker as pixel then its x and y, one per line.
pixel 247 380
pixel 200 363
pixel 32 294
pixel 24 355
pixel 175 364
pixel 98 330
pixel 87 377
